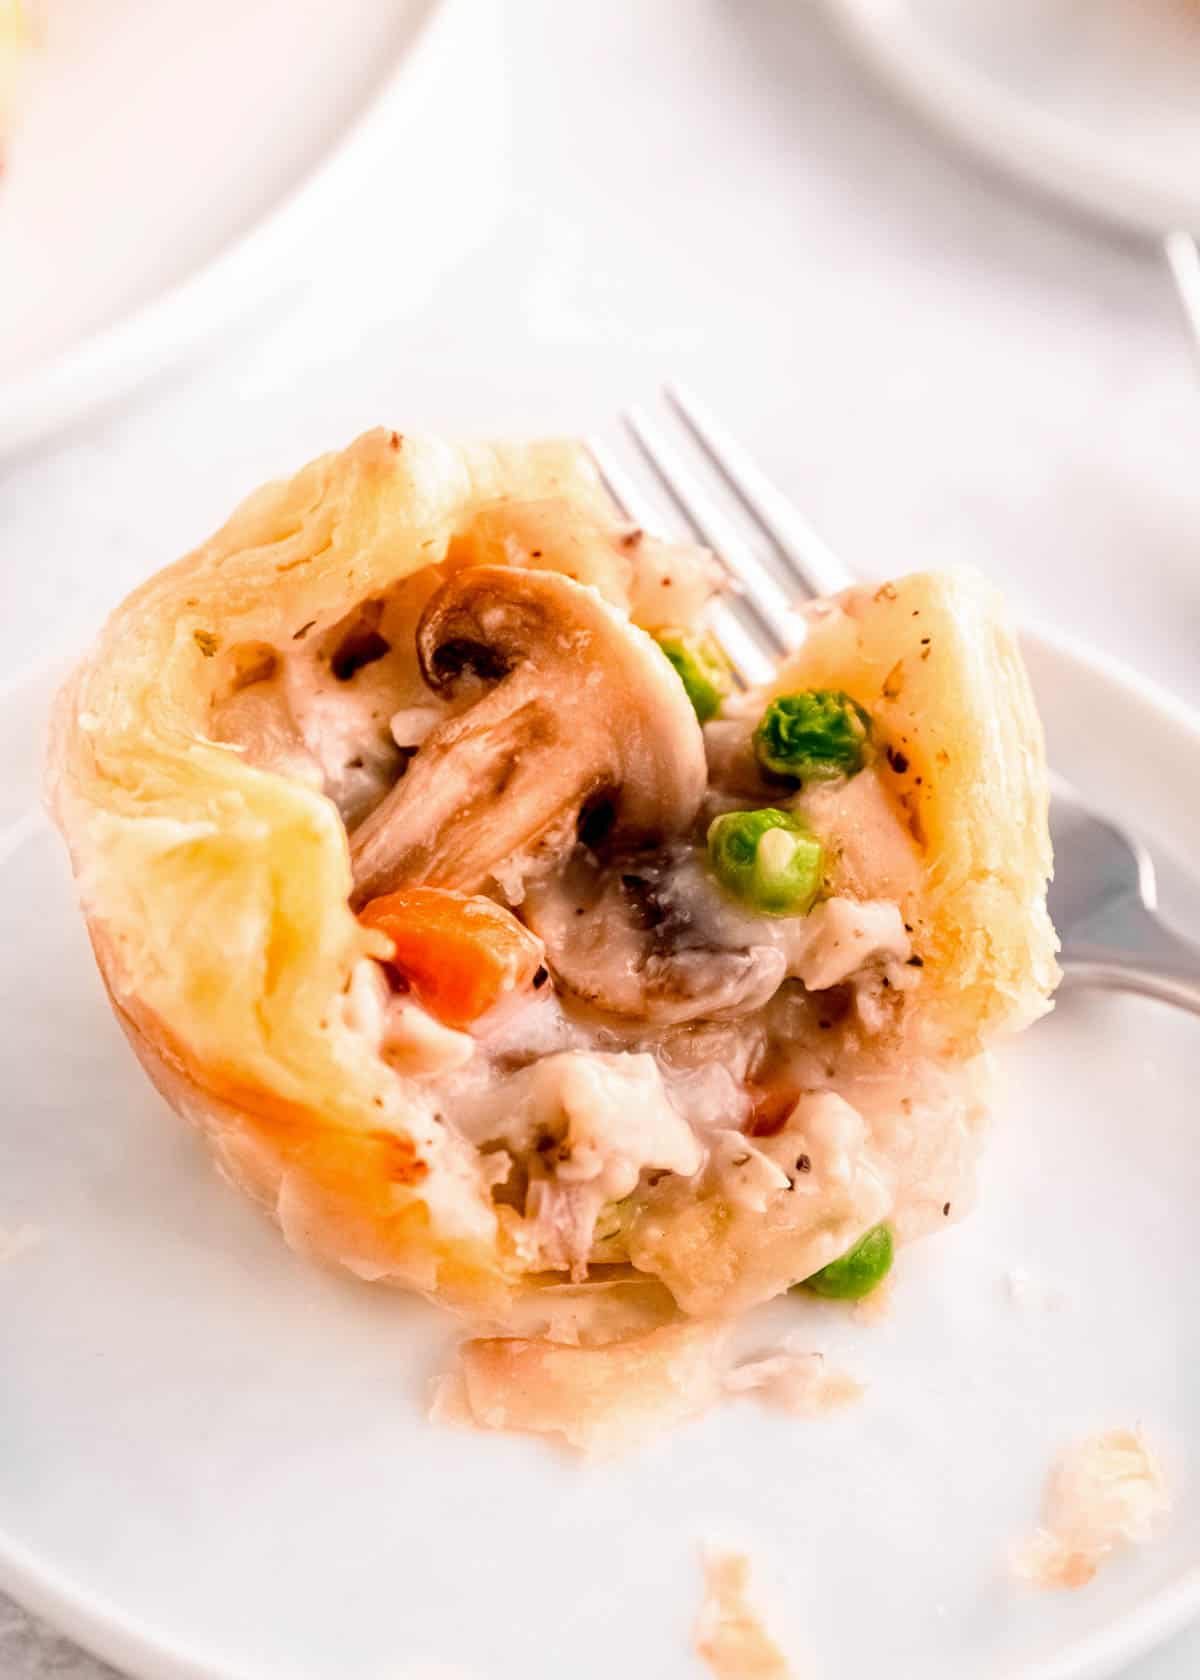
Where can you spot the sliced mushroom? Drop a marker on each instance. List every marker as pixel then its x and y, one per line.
pixel 621 937
pixel 577 709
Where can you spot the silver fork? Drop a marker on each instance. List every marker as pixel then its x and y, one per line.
pixel 1104 898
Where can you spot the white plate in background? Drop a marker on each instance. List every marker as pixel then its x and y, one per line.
pixel 176 164
pixel 215 1462
pixel 1094 101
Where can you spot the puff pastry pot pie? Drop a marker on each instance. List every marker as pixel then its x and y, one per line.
pixel 500 946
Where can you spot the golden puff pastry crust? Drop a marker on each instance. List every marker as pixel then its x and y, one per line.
pixel 216 893
pixel 217 890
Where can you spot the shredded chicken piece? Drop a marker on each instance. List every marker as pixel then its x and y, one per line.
pixel 592 1123
pixel 1103 1492
pixel 560 1222
pixel 599 1399
pixel 841 937
pixel 730 1636
pixel 794 1380
pixel 19 1239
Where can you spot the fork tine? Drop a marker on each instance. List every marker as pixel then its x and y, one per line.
pixel 623 488
pixel 752 663
pixel 771 606
pixel 810 560
pixel 1183 259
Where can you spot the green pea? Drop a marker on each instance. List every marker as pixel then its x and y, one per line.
pixel 815 736
pixel 769 859
pixel 702 666
pixel 858 1271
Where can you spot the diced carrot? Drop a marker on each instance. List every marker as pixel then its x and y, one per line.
pixel 772 1106
pixel 461 955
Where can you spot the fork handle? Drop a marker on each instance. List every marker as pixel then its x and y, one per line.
pixel 1168 969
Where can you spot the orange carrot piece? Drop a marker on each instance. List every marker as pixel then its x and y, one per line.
pixel 461 955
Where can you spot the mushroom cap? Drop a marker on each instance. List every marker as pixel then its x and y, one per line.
pixel 568 706
pixel 614 942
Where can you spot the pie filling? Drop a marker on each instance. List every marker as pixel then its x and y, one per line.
pixel 654 939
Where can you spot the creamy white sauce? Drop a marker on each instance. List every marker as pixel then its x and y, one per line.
pixel 586 1126
pixel 343 723
pixel 839 938
pixel 345 727
pixel 398 1029
pixel 831 1133
pixel 745 1176
pixel 608 1116
pixel 709 1098
pixel 417 1045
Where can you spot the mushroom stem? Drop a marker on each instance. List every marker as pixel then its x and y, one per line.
pixel 475 795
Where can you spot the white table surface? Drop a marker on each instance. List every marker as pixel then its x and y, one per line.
pixel 941 370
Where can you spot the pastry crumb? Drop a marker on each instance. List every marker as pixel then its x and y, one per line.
pixel 601 1400
pixel 794 1380
pixel 1104 1492
pixel 730 1636
pixel 609 1398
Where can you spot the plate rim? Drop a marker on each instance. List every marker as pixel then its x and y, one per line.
pixel 1040 151
pixel 114 1636
pixel 173 326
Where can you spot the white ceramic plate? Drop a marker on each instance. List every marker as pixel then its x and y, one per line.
pixel 173 165
pixel 1092 100
pixel 215 1461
